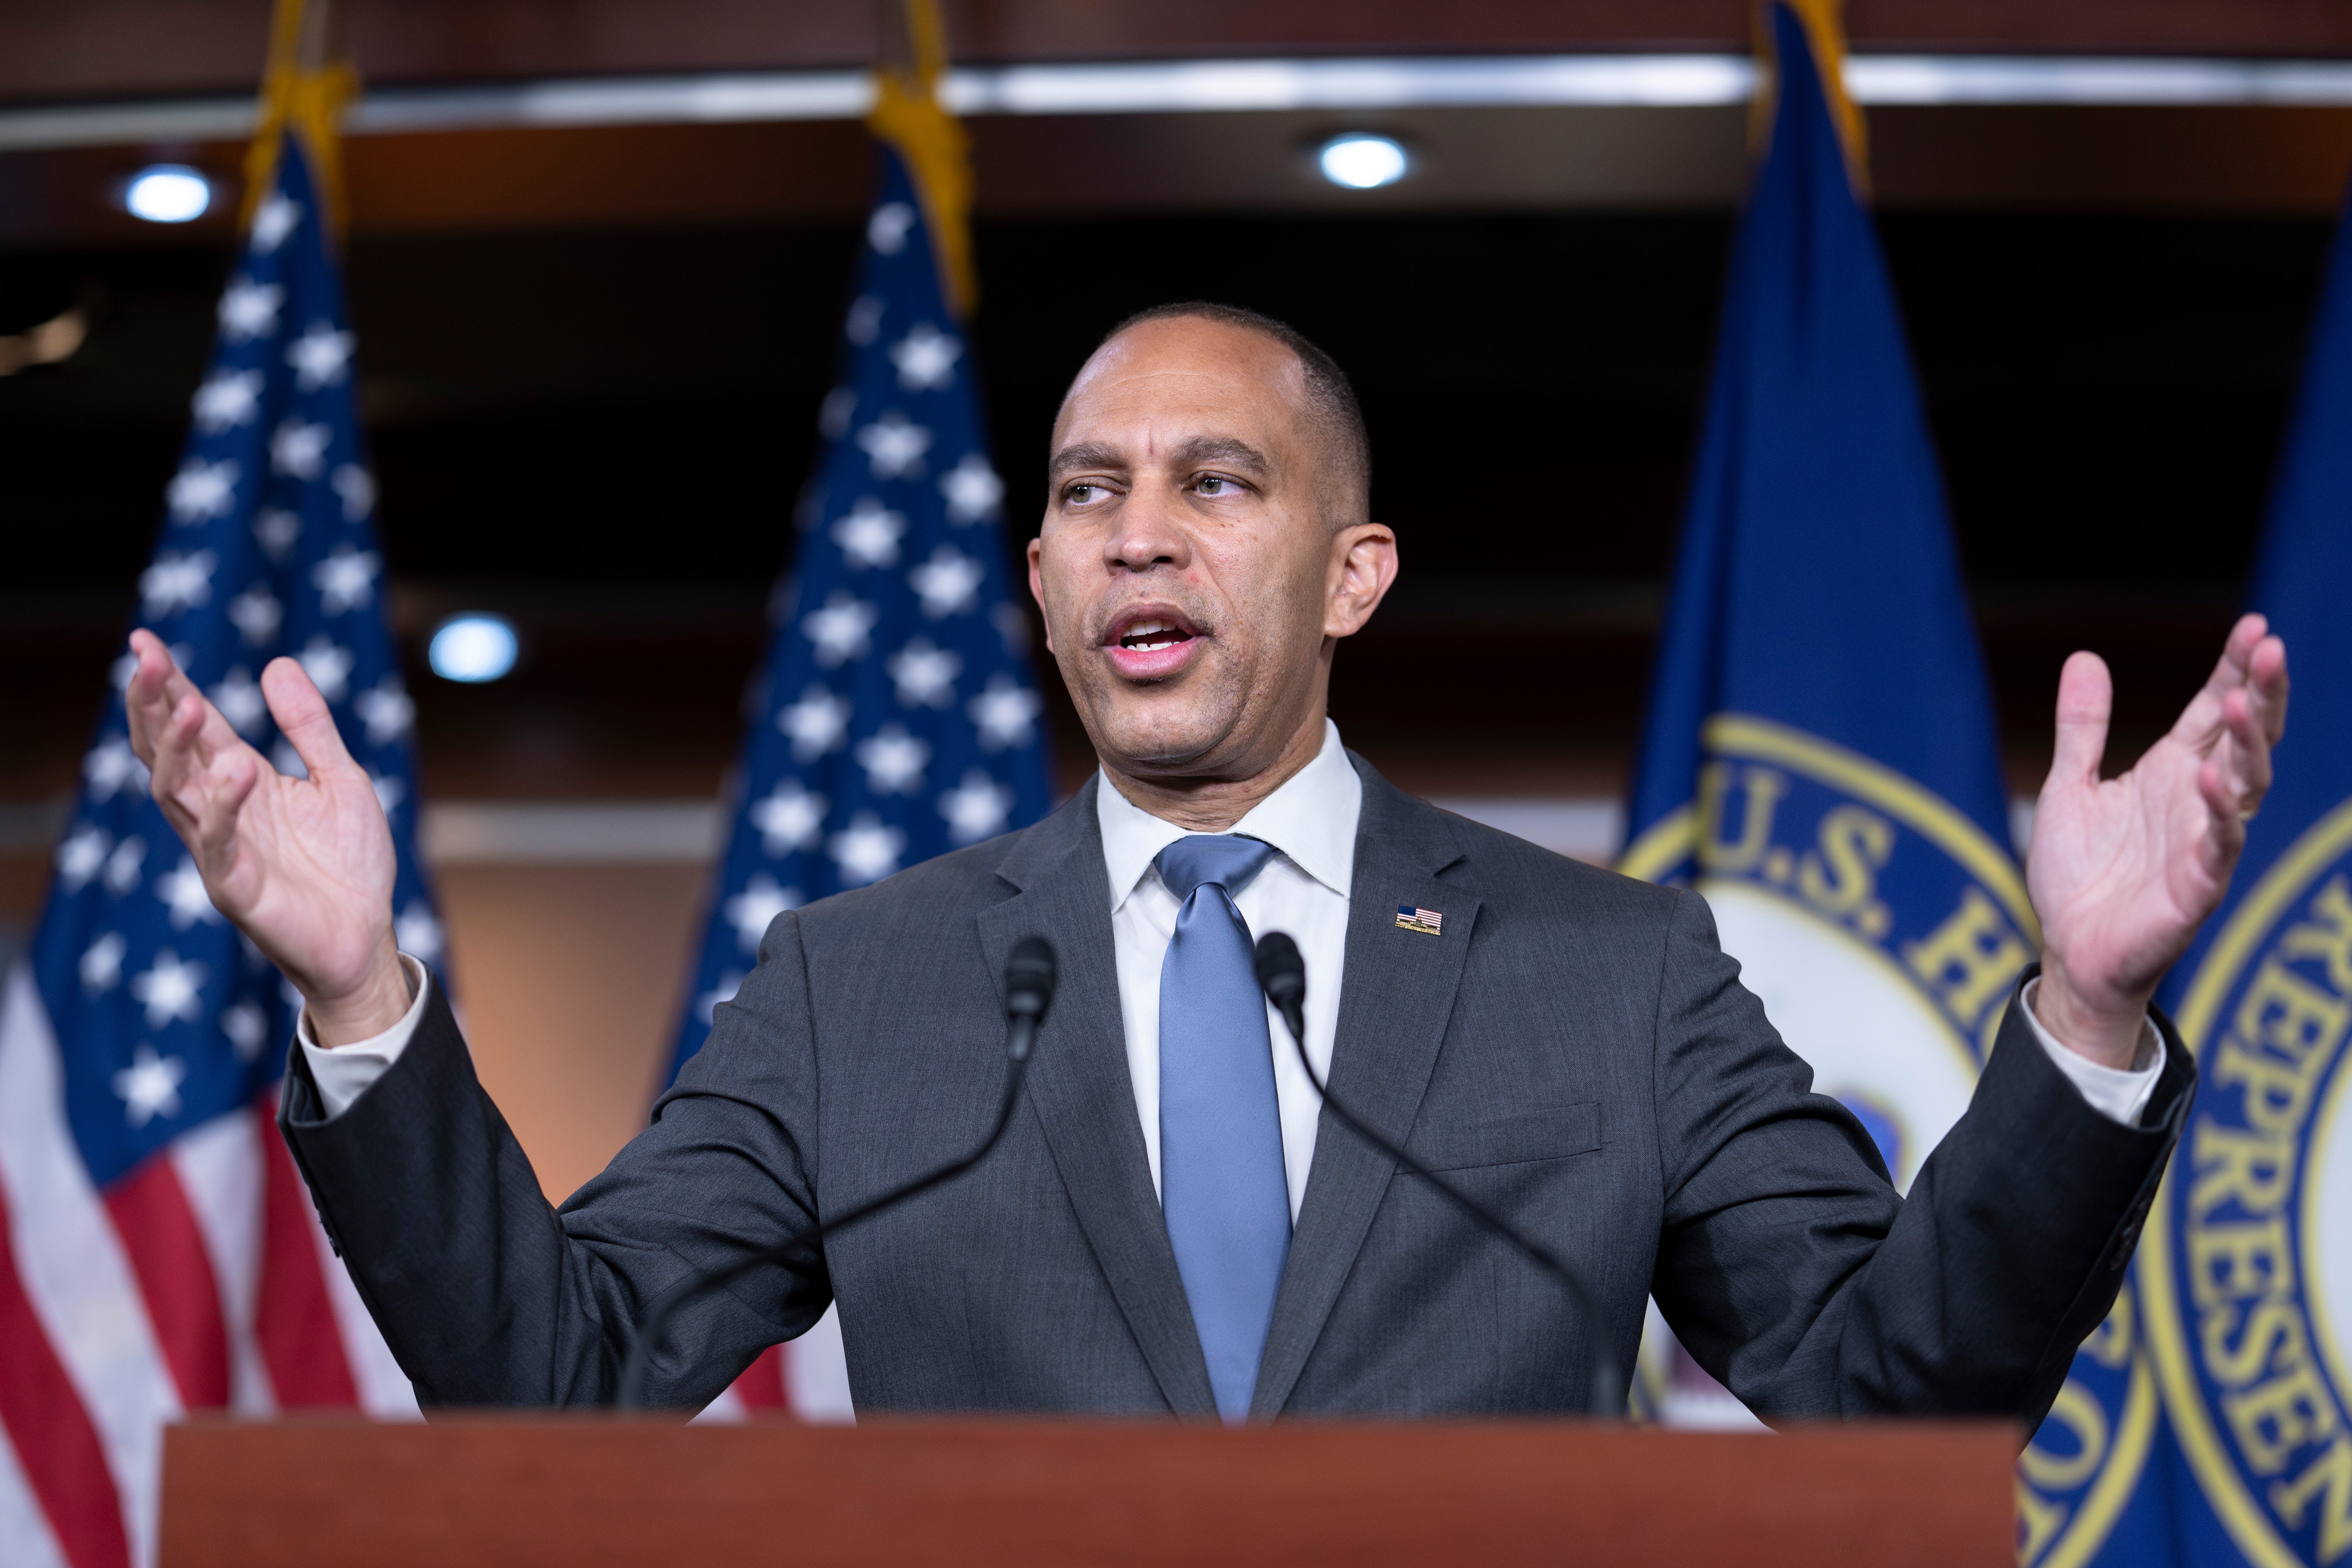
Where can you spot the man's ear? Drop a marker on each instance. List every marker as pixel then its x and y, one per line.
pixel 1363 568
pixel 1038 590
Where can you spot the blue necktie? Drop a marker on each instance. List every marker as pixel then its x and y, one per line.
pixel 1221 1178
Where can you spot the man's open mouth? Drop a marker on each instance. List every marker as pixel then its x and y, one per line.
pixel 1150 636
pixel 1151 642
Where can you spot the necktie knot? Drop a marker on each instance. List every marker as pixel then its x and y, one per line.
pixel 1213 859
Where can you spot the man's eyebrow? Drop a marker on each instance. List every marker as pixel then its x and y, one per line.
pixel 1085 454
pixel 1230 451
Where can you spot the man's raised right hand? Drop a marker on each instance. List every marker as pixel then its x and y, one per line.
pixel 302 866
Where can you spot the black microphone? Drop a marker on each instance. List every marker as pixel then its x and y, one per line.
pixel 1028 991
pixel 1283 975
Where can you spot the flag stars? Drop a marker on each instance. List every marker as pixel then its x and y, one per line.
pixel 926 358
pixel 274 220
pixel 840 628
pixel 893 759
pixel 101 964
pixel 976 808
pixel 752 911
pixel 973 489
pixel 321 357
pixel 707 1003
pixel 240 701
pixel 247 1028
pixel 176 582
pixel 182 889
pixel 172 991
pixel 788 818
pixel 345 579
pixel 329 666
pixel 249 309
pixel 149 1086
pixel 1005 713
pixel 299 449
pixel 201 490
pixel 948 583
pixel 864 323
pixel 124 866
pixel 868 850
pixel 869 535
pixel 113 766
pixel 924 674
pixel 895 445
pixel 226 400
pixel 81 855
pixel 887 230
pixel 816 723
pixel 355 486
pixel 386 709
pixel 417 933
pixel 256 614
pixel 278 528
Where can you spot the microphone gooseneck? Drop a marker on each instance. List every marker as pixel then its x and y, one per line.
pixel 1282 973
pixel 1029 976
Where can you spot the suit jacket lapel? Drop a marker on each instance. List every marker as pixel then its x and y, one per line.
pixel 1079 1087
pixel 1396 994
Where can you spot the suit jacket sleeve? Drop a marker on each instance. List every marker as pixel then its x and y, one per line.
pixel 1792 1270
pixel 488 1295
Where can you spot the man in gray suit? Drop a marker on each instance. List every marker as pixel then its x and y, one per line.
pixel 1169 1225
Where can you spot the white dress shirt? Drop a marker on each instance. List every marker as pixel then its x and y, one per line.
pixel 1303 890
pixel 1310 821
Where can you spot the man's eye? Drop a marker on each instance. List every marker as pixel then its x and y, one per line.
pixel 1214 485
pixel 1082 494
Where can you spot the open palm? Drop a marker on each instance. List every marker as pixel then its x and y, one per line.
pixel 2121 871
pixel 302 866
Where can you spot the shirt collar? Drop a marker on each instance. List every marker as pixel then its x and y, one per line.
pixel 1311 820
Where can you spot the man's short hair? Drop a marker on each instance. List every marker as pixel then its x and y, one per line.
pixel 1331 401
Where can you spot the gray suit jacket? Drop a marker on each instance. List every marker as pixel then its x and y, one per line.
pixel 1574 1049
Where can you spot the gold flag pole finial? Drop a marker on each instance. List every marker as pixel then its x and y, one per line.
pixel 911 63
pixel 302 93
pixel 1825 30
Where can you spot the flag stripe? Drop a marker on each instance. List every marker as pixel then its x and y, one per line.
pixel 761 1387
pixel 295 1321
pixel 166 1251
pixel 72 1267
pixel 50 1432
pixel 219 1167
pixel 26 1540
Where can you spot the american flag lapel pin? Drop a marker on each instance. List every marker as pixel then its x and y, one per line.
pixel 1428 922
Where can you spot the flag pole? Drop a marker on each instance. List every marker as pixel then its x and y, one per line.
pixel 304 91
pixel 910 64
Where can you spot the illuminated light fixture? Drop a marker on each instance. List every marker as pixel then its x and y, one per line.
pixel 168 193
pixel 473 648
pixel 1363 160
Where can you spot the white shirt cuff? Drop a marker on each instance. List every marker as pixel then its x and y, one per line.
pixel 344 1072
pixel 2118 1093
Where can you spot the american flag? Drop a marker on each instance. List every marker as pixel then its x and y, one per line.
pixel 158 1252
pixel 896 718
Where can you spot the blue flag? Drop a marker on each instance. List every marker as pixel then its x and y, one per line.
pixel 166 1017
pixel 1820 758
pixel 896 718
pixel 2244 1268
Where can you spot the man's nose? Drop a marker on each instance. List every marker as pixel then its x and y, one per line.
pixel 1149 534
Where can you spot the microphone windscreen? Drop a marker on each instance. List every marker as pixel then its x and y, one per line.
pixel 1281 972
pixel 1029 976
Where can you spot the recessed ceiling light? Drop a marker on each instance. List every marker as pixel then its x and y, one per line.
pixel 473 647
pixel 1363 160
pixel 168 193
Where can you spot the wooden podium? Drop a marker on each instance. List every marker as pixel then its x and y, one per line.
pixel 583 1492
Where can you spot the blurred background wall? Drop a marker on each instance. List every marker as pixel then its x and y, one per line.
pixel 593 355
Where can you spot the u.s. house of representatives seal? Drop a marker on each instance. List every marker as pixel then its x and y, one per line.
pixel 1881 928
pixel 2246 1270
